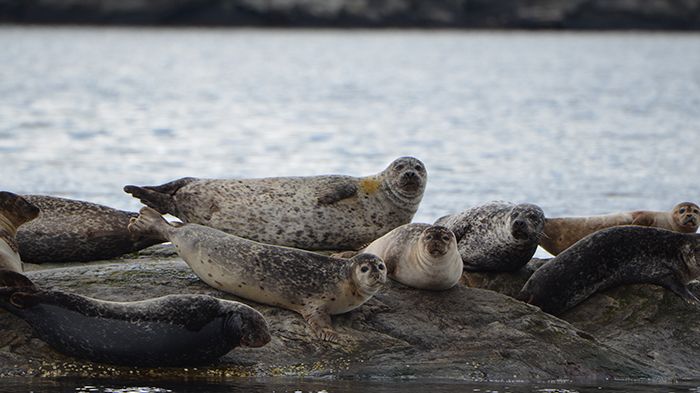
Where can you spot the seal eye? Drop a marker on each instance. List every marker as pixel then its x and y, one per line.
pixel 682 210
pixel 380 267
pixel 364 269
pixel 419 168
pixel 445 238
pixel 399 167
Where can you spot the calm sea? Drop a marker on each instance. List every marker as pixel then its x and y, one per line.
pixel 577 123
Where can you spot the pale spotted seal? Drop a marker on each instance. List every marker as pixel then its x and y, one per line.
pixel 497 236
pixel 613 257
pixel 330 212
pixel 175 330
pixel 15 211
pixel 420 255
pixel 75 231
pixel 311 284
pixel 561 233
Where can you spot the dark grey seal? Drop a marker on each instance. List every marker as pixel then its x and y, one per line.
pixel 613 257
pixel 175 330
pixel 75 231
pixel 497 236
pixel 330 212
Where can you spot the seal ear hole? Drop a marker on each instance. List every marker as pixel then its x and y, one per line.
pixel 20 300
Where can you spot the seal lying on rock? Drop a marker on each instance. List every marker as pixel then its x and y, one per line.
pixel 76 231
pixel 562 233
pixel 330 212
pixel 497 236
pixel 422 256
pixel 175 330
pixel 15 211
pixel 613 257
pixel 311 284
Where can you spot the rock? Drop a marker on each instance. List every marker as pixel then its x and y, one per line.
pixel 463 333
pixel 576 14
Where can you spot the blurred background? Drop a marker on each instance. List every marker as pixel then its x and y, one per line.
pixel 582 106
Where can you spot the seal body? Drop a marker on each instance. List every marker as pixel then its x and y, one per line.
pixel 420 255
pixel 175 330
pixel 497 236
pixel 330 212
pixel 311 284
pixel 76 231
pixel 561 233
pixel 613 257
pixel 15 211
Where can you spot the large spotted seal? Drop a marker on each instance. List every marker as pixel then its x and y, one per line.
pixel 613 257
pixel 330 212
pixel 75 231
pixel 311 284
pixel 15 211
pixel 175 330
pixel 561 233
pixel 420 255
pixel 497 236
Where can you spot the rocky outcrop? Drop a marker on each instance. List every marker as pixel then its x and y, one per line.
pixel 463 333
pixel 573 14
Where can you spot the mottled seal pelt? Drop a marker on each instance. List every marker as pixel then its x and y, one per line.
pixel 331 212
pixel 314 285
pixel 175 330
pixel 613 257
pixel 496 236
pixel 75 231
pixel 15 212
pixel 561 233
pixel 422 256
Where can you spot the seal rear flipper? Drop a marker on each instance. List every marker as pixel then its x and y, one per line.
pixel 320 323
pixel 159 197
pixel 681 290
pixel 336 193
pixel 149 224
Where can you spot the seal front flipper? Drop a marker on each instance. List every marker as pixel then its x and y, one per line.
pixel 641 219
pixel 671 283
pixel 159 197
pixel 320 323
pixel 336 193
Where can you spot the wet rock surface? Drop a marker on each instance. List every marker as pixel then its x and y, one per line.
pixel 574 14
pixel 463 333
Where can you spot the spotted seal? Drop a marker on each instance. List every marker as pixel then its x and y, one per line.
pixel 15 212
pixel 613 257
pixel 422 256
pixel 175 330
pixel 497 236
pixel 561 233
pixel 314 285
pixel 331 212
pixel 76 231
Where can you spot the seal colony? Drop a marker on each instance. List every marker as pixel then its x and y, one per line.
pixel 613 257
pixel 75 231
pixel 562 233
pixel 311 284
pixel 15 211
pixel 175 330
pixel 497 236
pixel 331 212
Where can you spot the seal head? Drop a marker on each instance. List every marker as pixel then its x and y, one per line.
pixel 406 178
pixel 253 328
pixel 437 241
pixel 526 222
pixel 686 216
pixel 15 210
pixel 368 273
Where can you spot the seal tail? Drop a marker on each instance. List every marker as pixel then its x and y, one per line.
pixel 159 197
pixel 14 280
pixel 149 224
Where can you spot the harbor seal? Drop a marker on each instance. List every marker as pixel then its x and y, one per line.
pixel 331 212
pixel 613 257
pixel 15 211
pixel 75 231
pixel 497 236
pixel 561 233
pixel 422 256
pixel 314 285
pixel 175 330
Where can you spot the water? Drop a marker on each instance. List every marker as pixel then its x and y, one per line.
pixel 577 123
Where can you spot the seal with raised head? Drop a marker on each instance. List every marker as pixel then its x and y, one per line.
pixel 76 231
pixel 497 236
pixel 314 285
pixel 422 256
pixel 561 233
pixel 331 212
pixel 15 211
pixel 613 257
pixel 174 330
